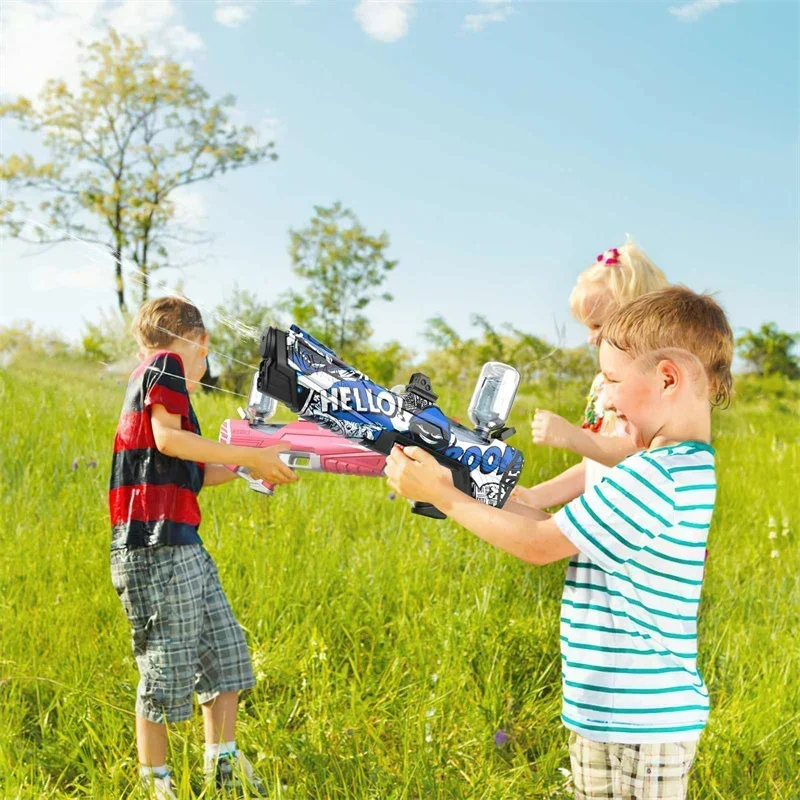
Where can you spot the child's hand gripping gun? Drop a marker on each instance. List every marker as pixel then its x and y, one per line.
pixel 313 382
pixel 312 447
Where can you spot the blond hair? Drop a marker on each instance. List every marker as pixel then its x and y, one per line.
pixel 677 318
pixel 622 274
pixel 159 322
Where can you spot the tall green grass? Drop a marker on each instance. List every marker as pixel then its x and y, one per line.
pixel 389 649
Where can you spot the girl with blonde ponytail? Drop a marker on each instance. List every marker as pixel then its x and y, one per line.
pixel 617 276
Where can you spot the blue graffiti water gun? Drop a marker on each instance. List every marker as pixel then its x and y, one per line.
pixel 312 381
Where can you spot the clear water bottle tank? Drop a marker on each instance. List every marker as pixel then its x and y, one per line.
pixel 493 396
pixel 261 406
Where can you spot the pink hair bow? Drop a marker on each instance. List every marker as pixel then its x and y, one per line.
pixel 610 257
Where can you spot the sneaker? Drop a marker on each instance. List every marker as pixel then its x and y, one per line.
pixel 158 788
pixel 233 773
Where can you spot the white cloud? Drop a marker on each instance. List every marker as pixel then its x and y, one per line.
pixel 384 20
pixel 497 11
pixel 138 18
pixel 177 39
pixel 88 276
pixel 190 206
pixel 696 9
pixel 40 40
pixel 268 129
pixel 233 13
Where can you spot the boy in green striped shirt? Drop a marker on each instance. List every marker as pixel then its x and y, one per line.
pixel 633 697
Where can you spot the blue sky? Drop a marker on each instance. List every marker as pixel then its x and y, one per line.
pixel 500 152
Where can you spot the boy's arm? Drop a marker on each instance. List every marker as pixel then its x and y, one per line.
pixel 415 474
pixel 522 510
pixel 552 430
pixel 561 489
pixel 217 474
pixel 172 441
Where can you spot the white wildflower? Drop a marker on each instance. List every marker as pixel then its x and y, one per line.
pixel 775 553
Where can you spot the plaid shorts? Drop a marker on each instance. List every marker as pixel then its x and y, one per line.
pixel 613 771
pixel 185 636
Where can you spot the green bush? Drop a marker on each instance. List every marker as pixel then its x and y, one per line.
pixel 108 340
pixel 22 339
pixel 775 387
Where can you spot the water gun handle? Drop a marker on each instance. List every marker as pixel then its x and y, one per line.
pixel 427 510
pixel 461 480
pixel 252 483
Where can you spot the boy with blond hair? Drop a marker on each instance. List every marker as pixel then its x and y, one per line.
pixel 185 636
pixel 633 697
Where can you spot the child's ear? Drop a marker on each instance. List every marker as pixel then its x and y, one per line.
pixel 670 375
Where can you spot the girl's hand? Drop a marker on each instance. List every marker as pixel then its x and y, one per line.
pixel 549 429
pixel 523 495
pixel 530 497
pixel 266 466
pixel 416 474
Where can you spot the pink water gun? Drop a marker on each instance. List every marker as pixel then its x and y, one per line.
pixel 312 447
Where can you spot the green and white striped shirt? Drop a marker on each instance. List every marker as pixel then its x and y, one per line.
pixel 629 609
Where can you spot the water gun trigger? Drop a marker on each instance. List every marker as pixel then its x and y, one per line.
pixel 298 459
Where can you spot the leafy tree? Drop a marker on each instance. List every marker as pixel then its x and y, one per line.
pixel 492 346
pixel 576 364
pixel 529 354
pixel 109 339
pixel 453 361
pixel 24 341
pixel 768 351
pixel 237 354
pixel 388 365
pixel 344 267
pixel 138 129
pixel 456 362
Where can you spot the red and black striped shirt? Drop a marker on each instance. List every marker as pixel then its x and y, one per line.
pixel 153 497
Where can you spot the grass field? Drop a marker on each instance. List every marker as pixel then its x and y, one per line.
pixel 389 649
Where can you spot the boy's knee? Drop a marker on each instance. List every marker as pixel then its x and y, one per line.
pixel 163 704
pixel 165 693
